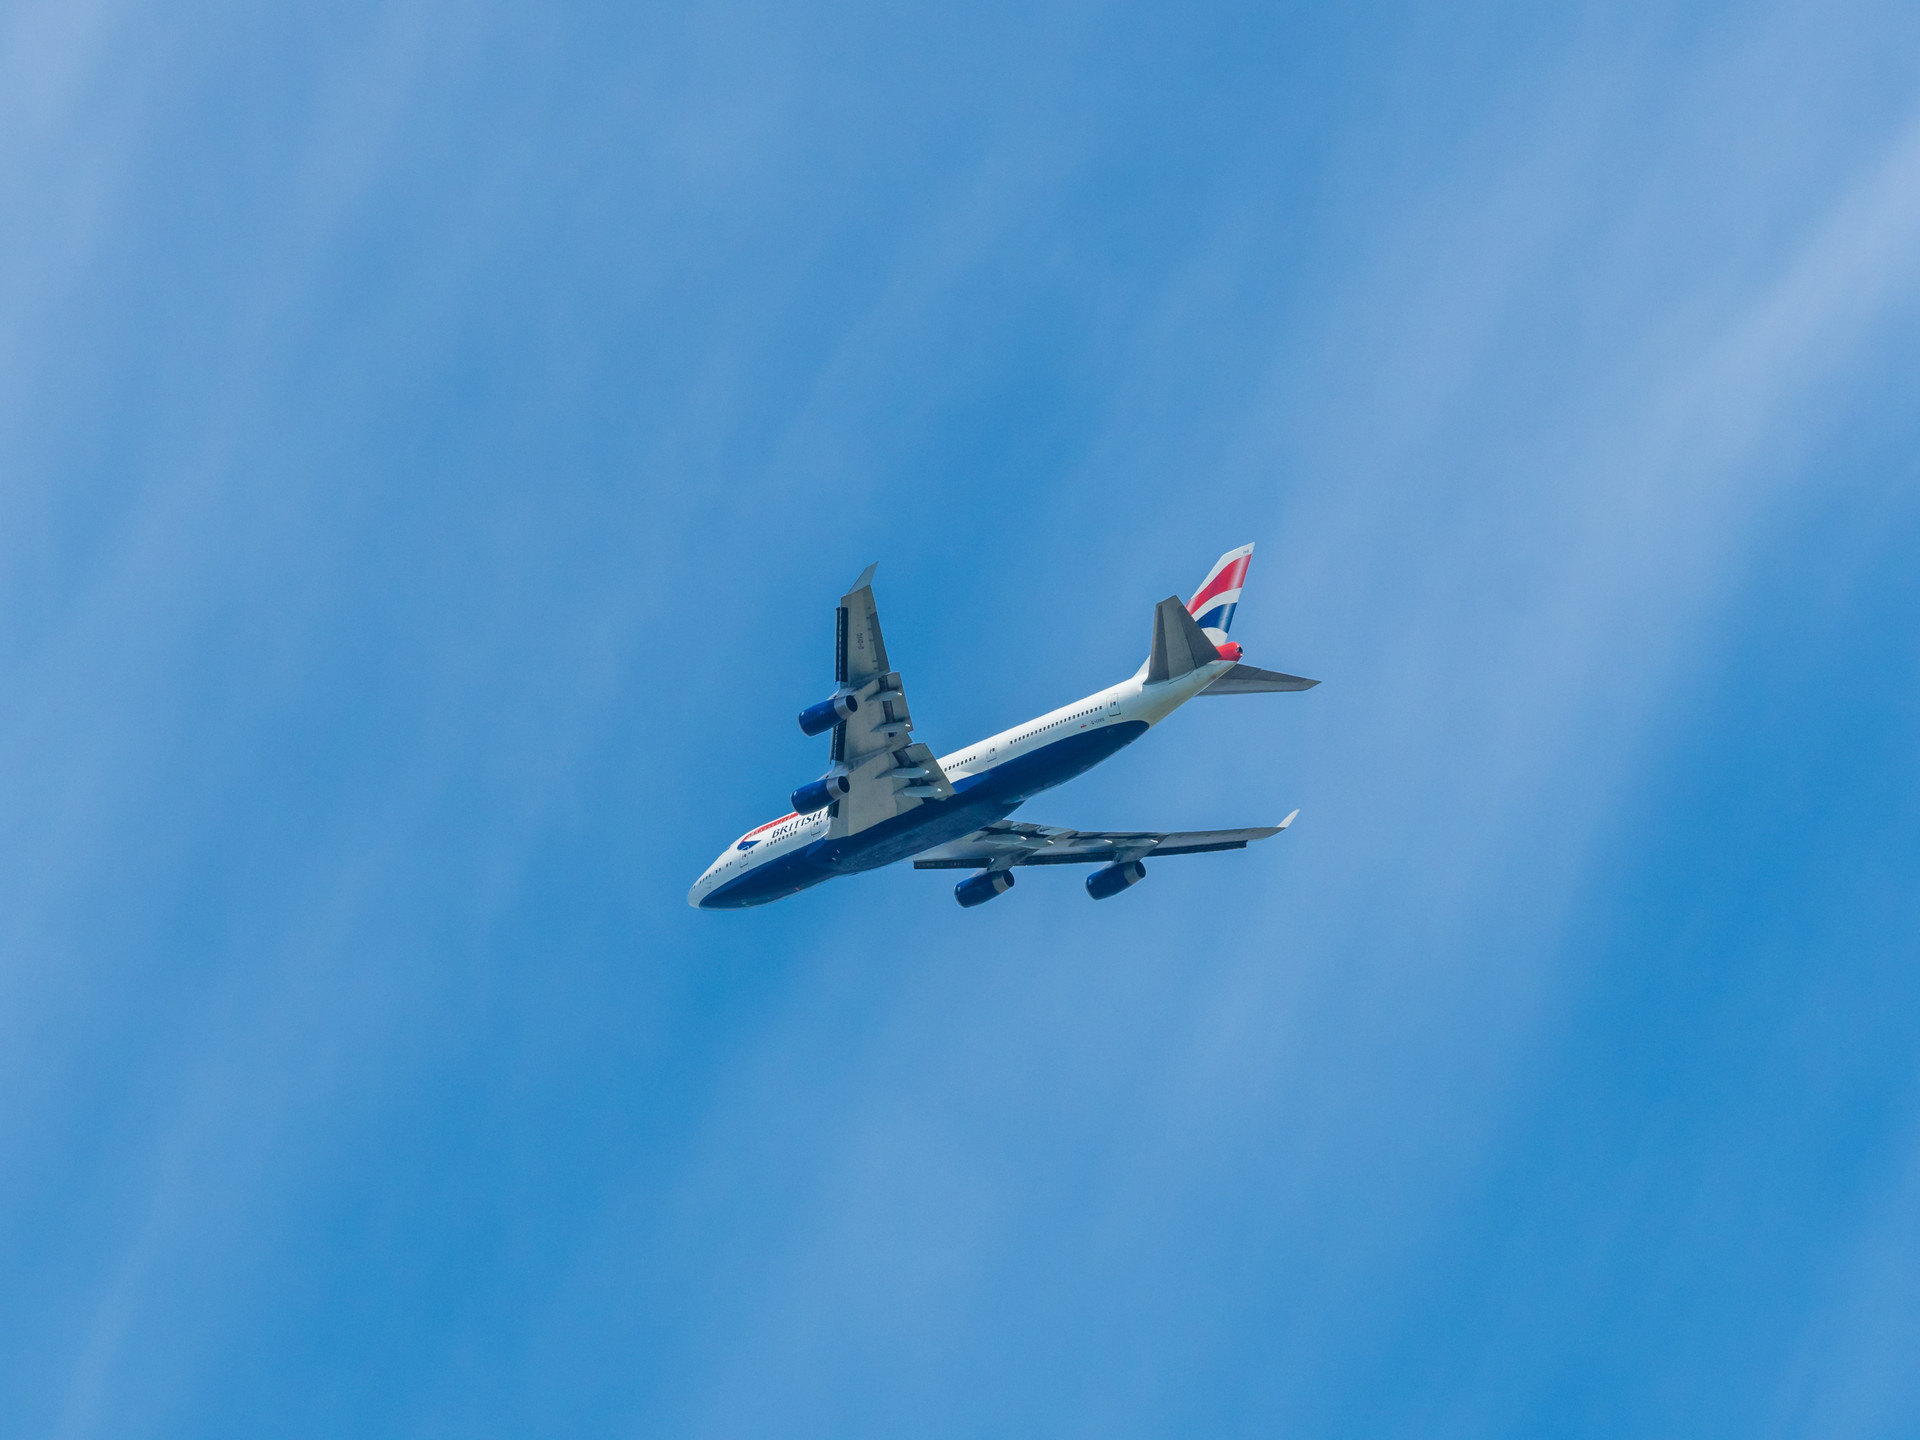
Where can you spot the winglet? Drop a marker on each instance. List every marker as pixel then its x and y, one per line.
pixel 1286 822
pixel 866 578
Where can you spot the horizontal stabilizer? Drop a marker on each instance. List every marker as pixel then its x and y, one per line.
pixel 1252 680
pixel 1179 645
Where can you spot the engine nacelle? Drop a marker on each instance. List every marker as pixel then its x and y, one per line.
pixel 828 713
pixel 978 889
pixel 1115 878
pixel 818 794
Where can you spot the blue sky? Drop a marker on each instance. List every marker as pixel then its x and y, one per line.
pixel 435 436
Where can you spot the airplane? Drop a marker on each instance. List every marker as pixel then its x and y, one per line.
pixel 887 796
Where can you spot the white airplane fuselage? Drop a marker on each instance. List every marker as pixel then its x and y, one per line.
pixel 990 779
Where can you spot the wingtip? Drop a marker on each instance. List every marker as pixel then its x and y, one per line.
pixel 866 578
pixel 1288 821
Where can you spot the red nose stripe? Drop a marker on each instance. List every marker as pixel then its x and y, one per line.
pixel 768 826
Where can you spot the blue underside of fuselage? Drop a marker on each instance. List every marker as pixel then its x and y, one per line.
pixel 978 800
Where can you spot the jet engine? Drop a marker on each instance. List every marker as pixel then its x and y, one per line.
pixel 818 794
pixel 1115 878
pixel 978 889
pixel 827 714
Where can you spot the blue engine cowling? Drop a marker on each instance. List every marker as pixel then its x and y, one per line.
pixel 816 719
pixel 1115 878
pixel 818 794
pixel 978 889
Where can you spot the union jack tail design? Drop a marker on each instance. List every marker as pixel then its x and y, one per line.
pixel 1213 603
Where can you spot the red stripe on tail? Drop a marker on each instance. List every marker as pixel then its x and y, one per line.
pixel 1234 576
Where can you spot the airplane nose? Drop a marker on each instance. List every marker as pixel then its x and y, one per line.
pixel 703 887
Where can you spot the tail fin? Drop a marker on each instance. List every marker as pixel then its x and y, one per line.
pixel 1214 602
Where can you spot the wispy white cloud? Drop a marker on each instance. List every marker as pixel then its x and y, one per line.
pixel 455 491
pixel 1515 612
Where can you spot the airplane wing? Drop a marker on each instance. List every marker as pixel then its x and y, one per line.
pixel 887 770
pixel 1013 842
pixel 1252 680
